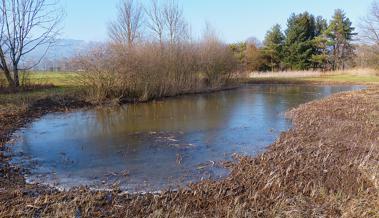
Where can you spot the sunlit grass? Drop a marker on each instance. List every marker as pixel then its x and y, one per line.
pixel 60 79
pixel 55 83
pixel 356 76
pixel 346 78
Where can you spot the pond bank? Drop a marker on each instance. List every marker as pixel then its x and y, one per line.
pixel 326 165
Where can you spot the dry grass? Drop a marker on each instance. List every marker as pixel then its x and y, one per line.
pixel 354 76
pixel 326 166
pixel 289 74
pixel 302 74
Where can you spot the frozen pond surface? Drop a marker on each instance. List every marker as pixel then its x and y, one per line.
pixel 162 144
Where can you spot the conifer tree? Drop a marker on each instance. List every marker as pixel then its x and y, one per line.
pixel 273 48
pixel 320 58
pixel 340 34
pixel 299 47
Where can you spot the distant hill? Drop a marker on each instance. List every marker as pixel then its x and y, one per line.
pixel 62 50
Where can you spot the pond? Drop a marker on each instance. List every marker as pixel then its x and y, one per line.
pixel 161 144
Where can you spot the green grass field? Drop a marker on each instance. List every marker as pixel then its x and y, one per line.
pixel 57 83
pixel 59 79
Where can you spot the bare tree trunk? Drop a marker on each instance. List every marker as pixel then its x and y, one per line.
pixel 9 78
pixel 335 58
pixel 16 78
pixel 4 68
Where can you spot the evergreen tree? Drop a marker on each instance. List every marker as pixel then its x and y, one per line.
pixel 308 43
pixel 320 57
pixel 299 47
pixel 340 34
pixel 321 26
pixel 273 48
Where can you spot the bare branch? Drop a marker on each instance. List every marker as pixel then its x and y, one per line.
pixel 174 21
pixel 25 26
pixel 126 29
pixel 370 25
pixel 156 21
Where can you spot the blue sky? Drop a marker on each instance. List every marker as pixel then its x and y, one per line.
pixel 234 20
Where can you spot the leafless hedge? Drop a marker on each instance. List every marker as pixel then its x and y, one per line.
pixel 162 61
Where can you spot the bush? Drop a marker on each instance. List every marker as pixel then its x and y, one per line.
pixel 153 70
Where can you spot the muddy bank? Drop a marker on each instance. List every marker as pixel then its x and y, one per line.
pixel 16 116
pixel 326 165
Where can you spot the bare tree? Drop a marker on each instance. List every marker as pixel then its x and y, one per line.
pixel 370 25
pixel 156 21
pixel 216 58
pixel 127 28
pixel 368 53
pixel 174 21
pixel 166 22
pixel 25 25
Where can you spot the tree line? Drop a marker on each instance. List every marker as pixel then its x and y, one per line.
pixel 151 52
pixel 308 43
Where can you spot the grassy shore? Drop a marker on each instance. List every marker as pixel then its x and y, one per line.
pixel 358 76
pixel 60 84
pixel 40 85
pixel 325 166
